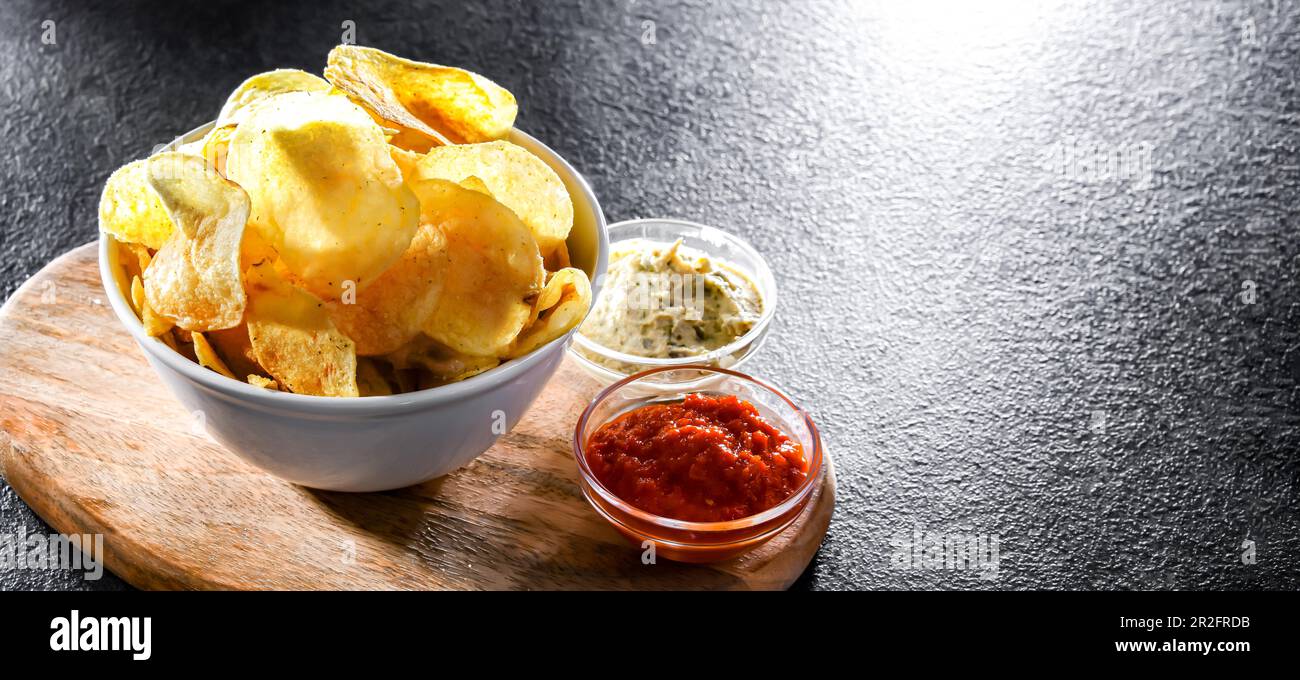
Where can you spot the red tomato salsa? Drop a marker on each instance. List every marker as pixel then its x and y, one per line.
pixel 709 458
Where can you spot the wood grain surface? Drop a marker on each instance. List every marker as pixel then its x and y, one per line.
pixel 95 444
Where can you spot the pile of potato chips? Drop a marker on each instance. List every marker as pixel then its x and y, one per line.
pixel 368 233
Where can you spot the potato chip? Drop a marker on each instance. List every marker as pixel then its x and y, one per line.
pixel 326 195
pixel 294 340
pixel 259 381
pixel 131 211
pixel 155 325
pixel 432 104
pixel 407 380
pixel 254 250
pixel 513 176
pixel 194 148
pixel 142 256
pixel 132 260
pixel 263 86
pixel 493 269
pixel 412 140
pixel 558 259
pixel 405 160
pixel 194 279
pixel 235 349
pixel 562 305
pixel 137 296
pixel 457 371
pixel 370 381
pixel 182 343
pixel 211 147
pixel 168 340
pixel 216 145
pixel 437 363
pixel 390 311
pixel 208 357
pixel 475 184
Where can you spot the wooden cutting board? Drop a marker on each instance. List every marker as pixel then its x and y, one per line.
pixel 95 444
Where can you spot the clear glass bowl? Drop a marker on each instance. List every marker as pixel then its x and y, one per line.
pixel 608 365
pixel 697 541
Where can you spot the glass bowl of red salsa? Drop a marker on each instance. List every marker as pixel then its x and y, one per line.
pixel 707 463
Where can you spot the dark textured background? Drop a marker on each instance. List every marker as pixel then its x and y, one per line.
pixel 1097 367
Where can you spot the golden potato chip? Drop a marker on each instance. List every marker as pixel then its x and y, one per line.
pixel 137 296
pixel 391 310
pixel 259 381
pixel 513 176
pixel 132 260
pixel 194 279
pixel 142 256
pixel 131 211
pixel 431 104
pixel 562 305
pixel 415 141
pixel 456 372
pixel 438 364
pixel 294 340
pixel 558 259
pixel 215 147
pixel 208 357
pixel 370 381
pixel 235 349
pixel 462 366
pixel 168 340
pixel 211 147
pixel 493 269
pixel 194 148
pixel 261 87
pixel 407 380
pixel 254 250
pixel 326 195
pixel 475 184
pixel 405 160
pixel 183 343
pixel 155 325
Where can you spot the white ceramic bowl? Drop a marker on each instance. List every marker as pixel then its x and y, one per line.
pixel 369 443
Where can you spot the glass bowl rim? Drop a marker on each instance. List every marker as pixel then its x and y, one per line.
pixel 800 494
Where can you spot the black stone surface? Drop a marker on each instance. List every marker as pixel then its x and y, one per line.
pixel 1094 362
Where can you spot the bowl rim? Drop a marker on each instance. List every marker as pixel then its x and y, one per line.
pixel 816 462
pixel 353 406
pixel 763 275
